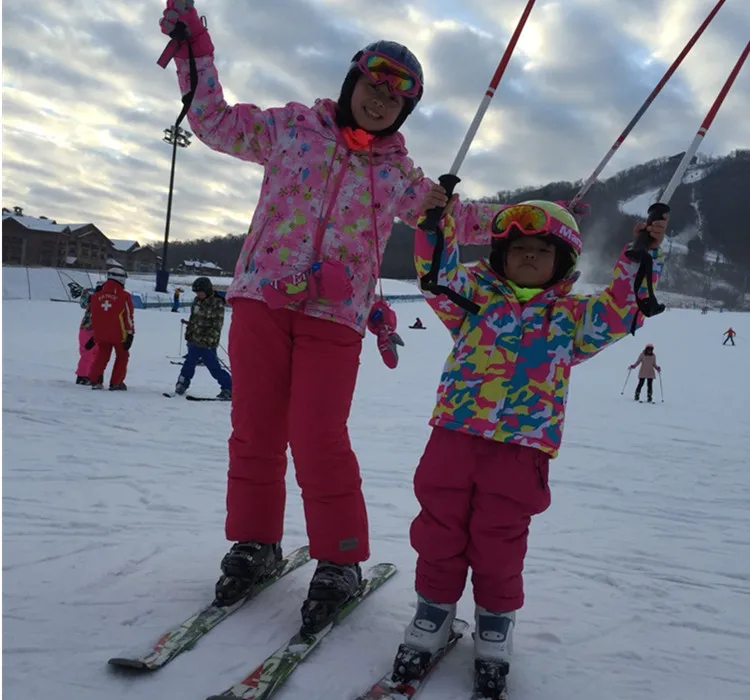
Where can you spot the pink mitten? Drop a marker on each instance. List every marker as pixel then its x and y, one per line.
pixel 180 22
pixel 382 322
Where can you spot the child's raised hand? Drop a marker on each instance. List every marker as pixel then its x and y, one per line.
pixel 184 11
pixel 657 230
pixel 437 197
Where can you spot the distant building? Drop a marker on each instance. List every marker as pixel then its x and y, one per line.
pixel 200 267
pixel 39 241
pixel 135 257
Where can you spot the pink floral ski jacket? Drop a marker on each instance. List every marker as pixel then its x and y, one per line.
pixel 315 186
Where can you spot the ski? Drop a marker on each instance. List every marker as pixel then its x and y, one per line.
pixel 272 673
pixel 190 397
pixel 184 636
pixel 387 689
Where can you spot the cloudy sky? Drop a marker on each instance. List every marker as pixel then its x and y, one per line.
pixel 85 105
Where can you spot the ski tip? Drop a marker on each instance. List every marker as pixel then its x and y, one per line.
pixel 133 664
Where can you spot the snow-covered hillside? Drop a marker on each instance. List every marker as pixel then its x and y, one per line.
pixel 637 578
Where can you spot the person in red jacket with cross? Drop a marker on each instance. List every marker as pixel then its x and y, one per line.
pixel 113 327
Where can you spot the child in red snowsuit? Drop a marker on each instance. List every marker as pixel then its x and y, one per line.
pixel 86 354
pixel 336 175
pixel 499 418
pixel 113 329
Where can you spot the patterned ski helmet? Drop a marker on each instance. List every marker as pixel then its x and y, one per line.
pixel 399 53
pixel 564 234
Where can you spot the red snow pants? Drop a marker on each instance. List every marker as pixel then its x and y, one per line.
pixel 101 360
pixel 477 498
pixel 293 379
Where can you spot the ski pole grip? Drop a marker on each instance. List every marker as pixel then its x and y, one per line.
pixel 656 212
pixel 448 182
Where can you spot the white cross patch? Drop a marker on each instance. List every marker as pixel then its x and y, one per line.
pixel 106 305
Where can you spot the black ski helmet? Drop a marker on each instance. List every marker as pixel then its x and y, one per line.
pixel 203 284
pixel 400 54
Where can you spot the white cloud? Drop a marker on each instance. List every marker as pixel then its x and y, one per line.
pixel 85 104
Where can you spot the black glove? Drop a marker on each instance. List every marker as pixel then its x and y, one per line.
pixel 75 289
pixel 89 344
pixel 128 341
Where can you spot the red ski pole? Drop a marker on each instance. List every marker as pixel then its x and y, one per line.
pixel 451 179
pixel 639 251
pixel 670 71
pixel 660 208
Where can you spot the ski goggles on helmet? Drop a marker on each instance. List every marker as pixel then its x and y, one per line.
pixel 532 220
pixel 379 69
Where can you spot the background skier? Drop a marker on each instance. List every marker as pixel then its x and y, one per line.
pixel 203 335
pixel 729 333
pixel 113 328
pixel 647 372
pixel 176 300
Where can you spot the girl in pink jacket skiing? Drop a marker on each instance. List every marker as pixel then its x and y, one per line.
pixel 304 290
pixel 647 372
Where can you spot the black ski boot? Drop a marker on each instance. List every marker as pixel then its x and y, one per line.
pixel 84 381
pixel 118 387
pixel 224 395
pixel 332 587
pixel 245 565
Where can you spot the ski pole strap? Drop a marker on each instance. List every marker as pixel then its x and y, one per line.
pixel 429 282
pixel 431 224
pixel 177 36
pixel 649 306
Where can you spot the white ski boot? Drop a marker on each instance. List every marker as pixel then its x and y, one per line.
pixel 493 648
pixel 427 633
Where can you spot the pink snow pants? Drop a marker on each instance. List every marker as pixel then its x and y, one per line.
pixel 86 357
pixel 477 498
pixel 293 380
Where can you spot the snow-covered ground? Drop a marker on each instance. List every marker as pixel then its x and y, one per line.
pixel 637 578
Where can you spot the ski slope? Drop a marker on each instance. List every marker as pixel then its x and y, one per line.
pixel 637 577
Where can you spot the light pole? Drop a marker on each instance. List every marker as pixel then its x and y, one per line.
pixel 175 136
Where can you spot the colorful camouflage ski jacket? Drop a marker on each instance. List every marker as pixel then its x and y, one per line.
pixel 507 376
pixel 315 187
pixel 206 322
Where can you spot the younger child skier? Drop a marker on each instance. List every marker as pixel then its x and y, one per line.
pixel 86 354
pixel 647 373
pixel 336 175
pixel 499 419
pixel 729 333
pixel 203 336
pixel 113 328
